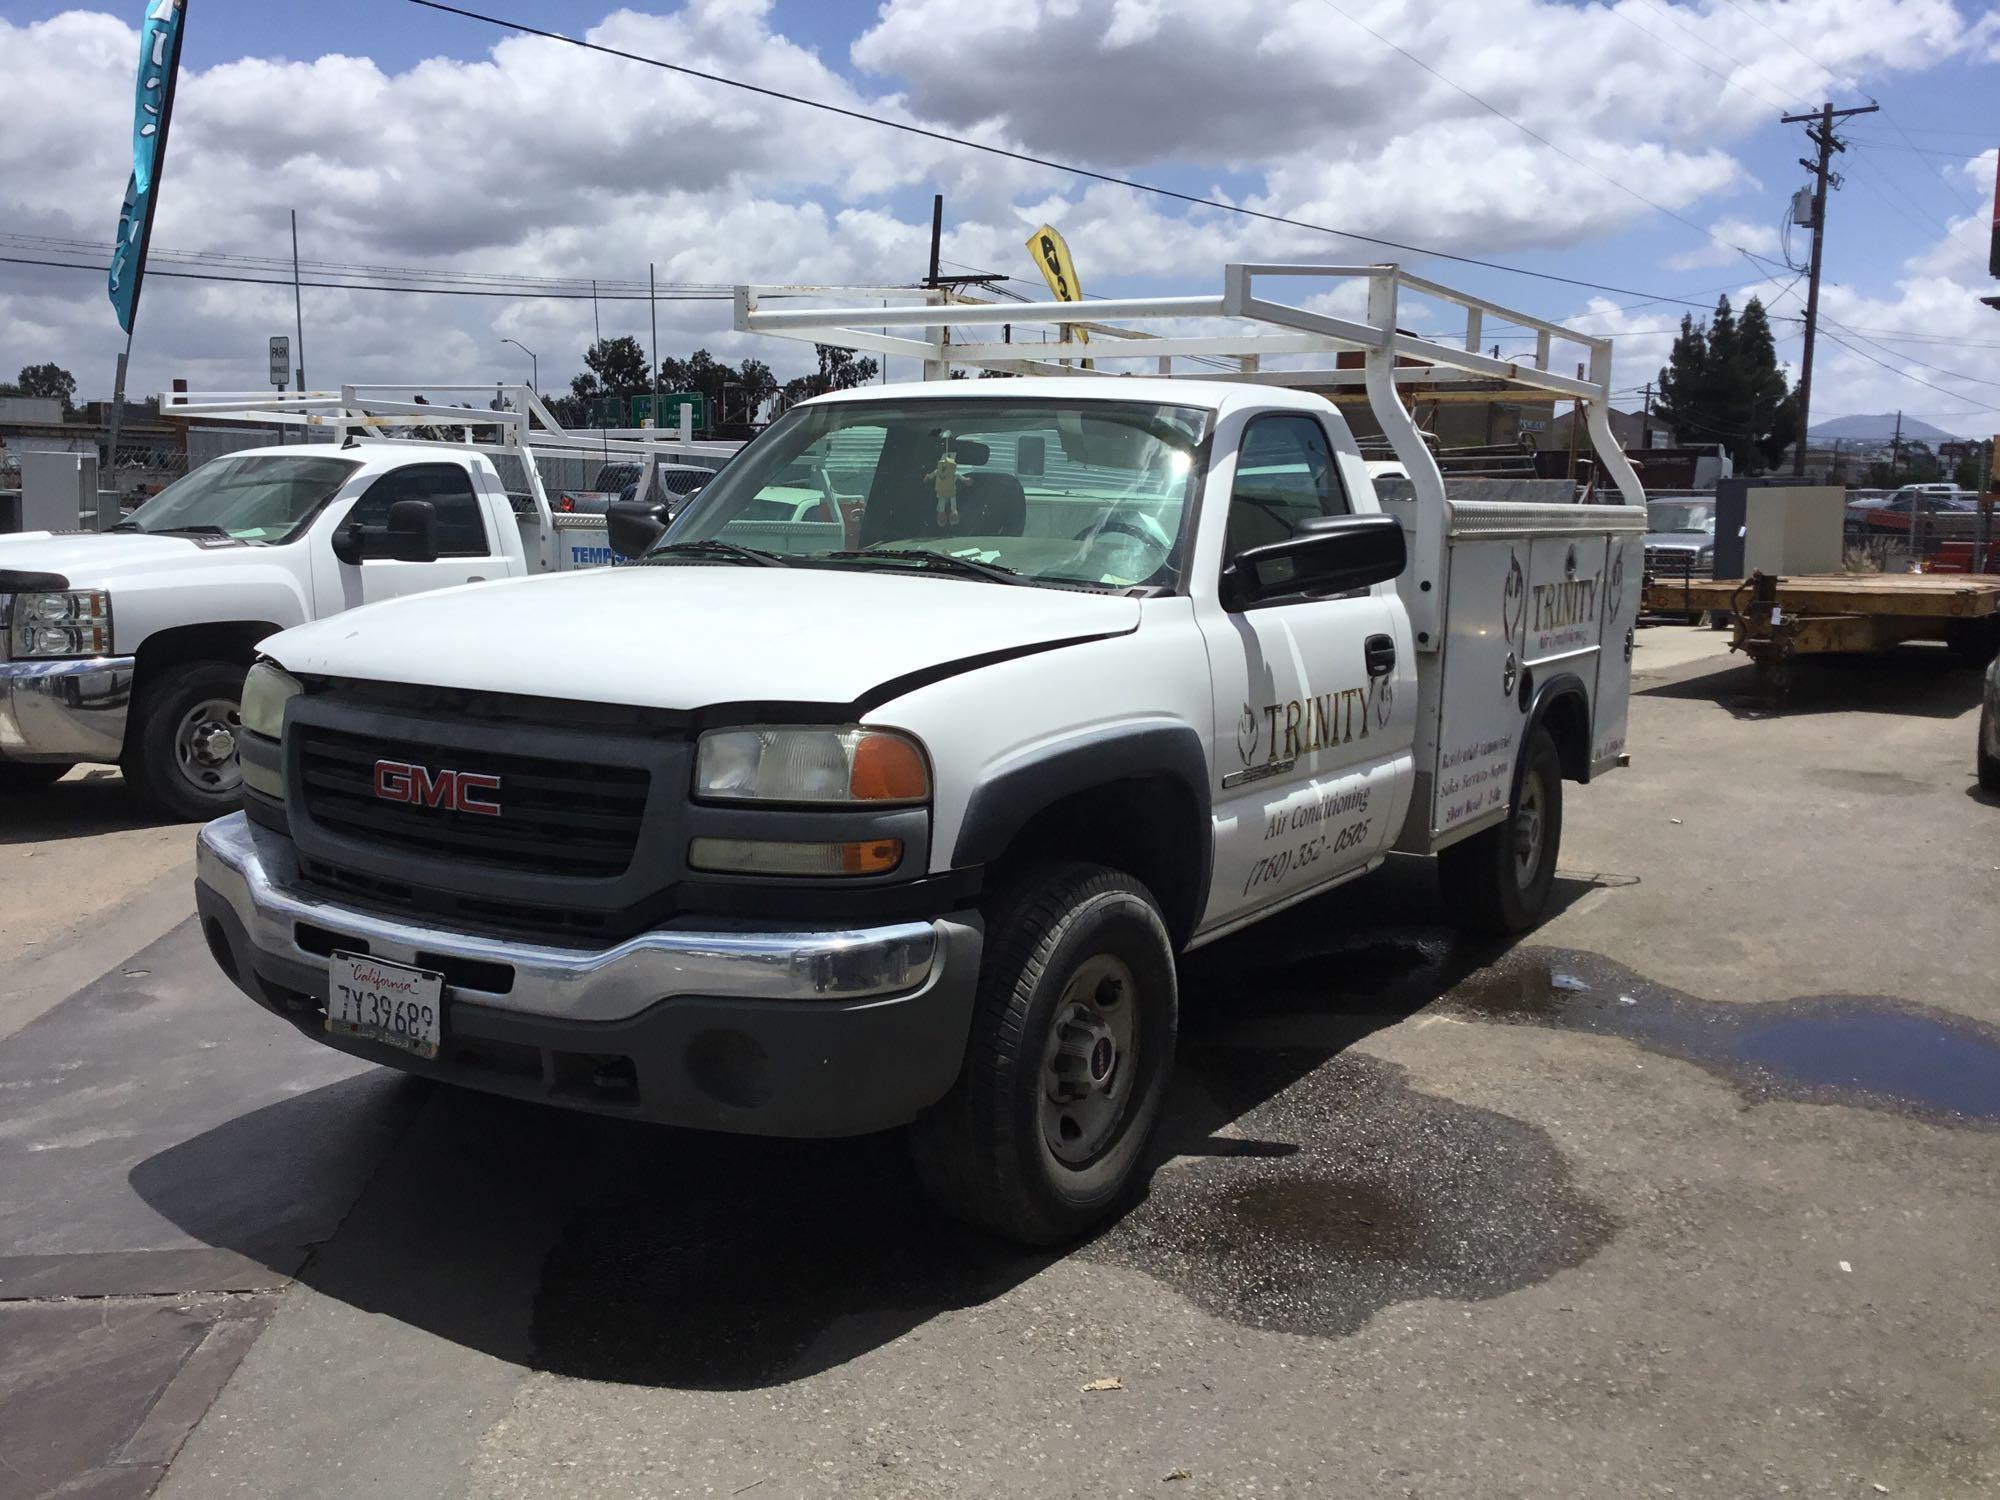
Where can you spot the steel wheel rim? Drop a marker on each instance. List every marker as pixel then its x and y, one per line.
pixel 205 746
pixel 1090 1063
pixel 1528 827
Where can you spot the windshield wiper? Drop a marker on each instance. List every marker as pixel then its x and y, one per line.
pixel 964 566
pixel 717 548
pixel 186 531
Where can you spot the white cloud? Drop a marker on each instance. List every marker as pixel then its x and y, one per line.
pixel 543 159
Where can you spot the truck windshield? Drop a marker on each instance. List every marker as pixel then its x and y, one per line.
pixel 1075 493
pixel 254 498
pixel 1681 515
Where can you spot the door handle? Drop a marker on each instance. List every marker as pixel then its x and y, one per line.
pixel 1380 655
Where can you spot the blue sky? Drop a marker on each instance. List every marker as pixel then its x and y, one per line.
pixel 1290 105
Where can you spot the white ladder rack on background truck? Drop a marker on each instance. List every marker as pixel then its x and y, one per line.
pixel 918 322
pixel 376 411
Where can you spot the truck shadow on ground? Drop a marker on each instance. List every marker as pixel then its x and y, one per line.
pixel 79 806
pixel 1297 1185
pixel 1920 679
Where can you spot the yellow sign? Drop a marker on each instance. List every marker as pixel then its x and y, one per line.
pixel 1051 253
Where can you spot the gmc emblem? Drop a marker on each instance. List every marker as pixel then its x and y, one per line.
pixel 420 786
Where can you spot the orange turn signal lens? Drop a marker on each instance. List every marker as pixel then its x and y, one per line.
pixel 887 768
pixel 761 857
pixel 871 856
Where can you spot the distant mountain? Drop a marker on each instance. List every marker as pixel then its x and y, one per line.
pixel 1879 429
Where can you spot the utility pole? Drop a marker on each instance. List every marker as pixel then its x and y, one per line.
pixel 1646 420
pixel 1896 449
pixel 1819 130
pixel 298 307
pixel 937 236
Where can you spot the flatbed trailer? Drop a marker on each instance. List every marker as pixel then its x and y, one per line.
pixel 1775 619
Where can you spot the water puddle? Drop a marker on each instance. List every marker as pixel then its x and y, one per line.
pixel 1386 1194
pixel 1871 1051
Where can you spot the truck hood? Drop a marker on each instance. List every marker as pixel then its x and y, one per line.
pixel 89 559
pixel 686 637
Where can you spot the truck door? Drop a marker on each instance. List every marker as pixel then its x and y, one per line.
pixel 1315 698
pixel 467 551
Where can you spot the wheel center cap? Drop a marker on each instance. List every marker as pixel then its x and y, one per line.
pixel 216 745
pixel 1103 1057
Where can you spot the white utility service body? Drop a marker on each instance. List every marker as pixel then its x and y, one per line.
pixel 898 810
pixel 157 613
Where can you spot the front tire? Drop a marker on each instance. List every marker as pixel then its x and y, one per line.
pixel 1498 881
pixel 1989 765
pixel 181 754
pixel 1066 1068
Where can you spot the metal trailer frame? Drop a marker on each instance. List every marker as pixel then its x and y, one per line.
pixel 367 412
pixel 1775 620
pixel 1266 328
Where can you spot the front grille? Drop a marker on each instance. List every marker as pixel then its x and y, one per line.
pixel 558 817
pixel 1672 562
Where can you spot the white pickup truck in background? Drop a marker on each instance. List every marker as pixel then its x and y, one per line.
pixel 129 646
pixel 1072 675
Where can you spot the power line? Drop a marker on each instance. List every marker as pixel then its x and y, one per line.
pixel 1130 183
pixel 1727 81
pixel 522 295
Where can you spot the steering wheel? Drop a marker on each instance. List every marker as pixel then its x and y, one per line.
pixel 1113 524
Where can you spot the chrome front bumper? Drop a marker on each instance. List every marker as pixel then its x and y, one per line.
pixel 254 872
pixel 65 710
pixel 776 1033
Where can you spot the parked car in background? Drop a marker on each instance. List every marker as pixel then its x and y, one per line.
pixel 1680 538
pixel 1943 509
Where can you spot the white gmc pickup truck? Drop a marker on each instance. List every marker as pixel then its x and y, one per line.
pixel 901 816
pixel 129 646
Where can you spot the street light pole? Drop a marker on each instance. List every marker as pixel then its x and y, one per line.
pixel 534 365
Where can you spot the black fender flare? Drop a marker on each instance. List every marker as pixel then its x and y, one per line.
pixel 1542 695
pixel 1001 806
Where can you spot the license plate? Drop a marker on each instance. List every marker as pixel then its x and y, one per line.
pixel 385 1002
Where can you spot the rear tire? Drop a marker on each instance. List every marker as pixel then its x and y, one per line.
pixel 1066 1068
pixel 1498 881
pixel 26 775
pixel 180 756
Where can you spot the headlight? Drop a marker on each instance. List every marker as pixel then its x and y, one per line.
pixel 72 624
pixel 873 766
pixel 266 691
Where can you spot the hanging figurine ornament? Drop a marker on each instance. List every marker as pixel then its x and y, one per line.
pixel 944 484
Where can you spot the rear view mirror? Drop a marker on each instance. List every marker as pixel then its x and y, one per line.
pixel 412 531
pixel 635 525
pixel 350 543
pixel 1330 555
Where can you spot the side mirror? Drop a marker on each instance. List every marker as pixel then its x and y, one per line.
pixel 1332 555
pixel 350 543
pixel 635 525
pixel 412 531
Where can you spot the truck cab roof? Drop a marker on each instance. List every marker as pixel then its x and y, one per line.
pixel 1218 396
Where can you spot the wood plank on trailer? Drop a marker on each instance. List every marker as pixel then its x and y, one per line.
pixel 1949 596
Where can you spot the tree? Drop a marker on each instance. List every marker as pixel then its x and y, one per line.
pixel 50 381
pixel 1722 384
pixel 839 370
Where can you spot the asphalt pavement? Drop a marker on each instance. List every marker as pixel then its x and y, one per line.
pixel 1693 1192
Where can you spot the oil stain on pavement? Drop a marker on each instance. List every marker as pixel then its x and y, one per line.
pixel 1871 1052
